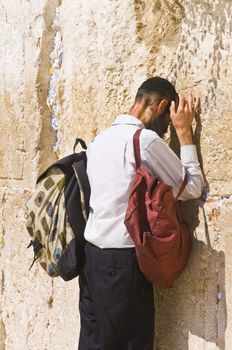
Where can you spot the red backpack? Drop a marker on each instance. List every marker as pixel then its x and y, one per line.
pixel 161 240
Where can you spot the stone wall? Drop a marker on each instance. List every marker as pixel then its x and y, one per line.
pixel 66 69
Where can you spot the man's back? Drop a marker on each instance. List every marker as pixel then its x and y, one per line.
pixel 111 170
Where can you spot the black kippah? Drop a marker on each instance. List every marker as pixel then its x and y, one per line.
pixel 161 85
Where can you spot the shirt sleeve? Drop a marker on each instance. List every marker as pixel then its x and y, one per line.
pixel 159 158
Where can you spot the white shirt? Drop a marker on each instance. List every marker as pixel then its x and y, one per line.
pixel 111 171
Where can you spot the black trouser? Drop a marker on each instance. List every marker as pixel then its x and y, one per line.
pixel 116 302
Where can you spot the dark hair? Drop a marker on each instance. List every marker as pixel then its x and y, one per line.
pixel 147 97
pixel 158 84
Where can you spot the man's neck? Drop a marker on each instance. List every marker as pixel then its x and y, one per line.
pixel 137 112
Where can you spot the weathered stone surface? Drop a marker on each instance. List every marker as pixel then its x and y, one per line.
pixel 109 48
pixel 30 320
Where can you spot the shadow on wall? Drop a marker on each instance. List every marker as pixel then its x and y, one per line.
pixel 194 310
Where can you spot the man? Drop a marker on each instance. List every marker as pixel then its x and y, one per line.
pixel 116 301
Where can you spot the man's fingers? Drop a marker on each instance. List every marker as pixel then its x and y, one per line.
pixel 181 102
pixel 173 107
pixel 186 108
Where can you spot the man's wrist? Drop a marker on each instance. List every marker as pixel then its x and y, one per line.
pixel 185 137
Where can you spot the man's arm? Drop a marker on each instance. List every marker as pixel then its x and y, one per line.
pixel 164 163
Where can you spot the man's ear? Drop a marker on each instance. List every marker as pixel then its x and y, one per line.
pixel 162 105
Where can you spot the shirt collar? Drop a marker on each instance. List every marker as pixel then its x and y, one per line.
pixel 128 119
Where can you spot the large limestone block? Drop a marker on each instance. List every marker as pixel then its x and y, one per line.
pixel 34 308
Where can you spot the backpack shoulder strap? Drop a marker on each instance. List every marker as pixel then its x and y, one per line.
pixel 136 144
pixel 182 187
pixel 81 175
pixel 82 142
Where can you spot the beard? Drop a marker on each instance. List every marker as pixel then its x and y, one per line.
pixel 160 123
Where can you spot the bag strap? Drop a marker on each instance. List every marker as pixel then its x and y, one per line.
pixel 182 187
pixel 80 171
pixel 136 144
pixel 82 142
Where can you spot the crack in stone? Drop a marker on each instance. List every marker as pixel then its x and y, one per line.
pixel 47 134
pixel 56 56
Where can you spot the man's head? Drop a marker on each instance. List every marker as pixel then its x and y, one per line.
pixel 152 104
